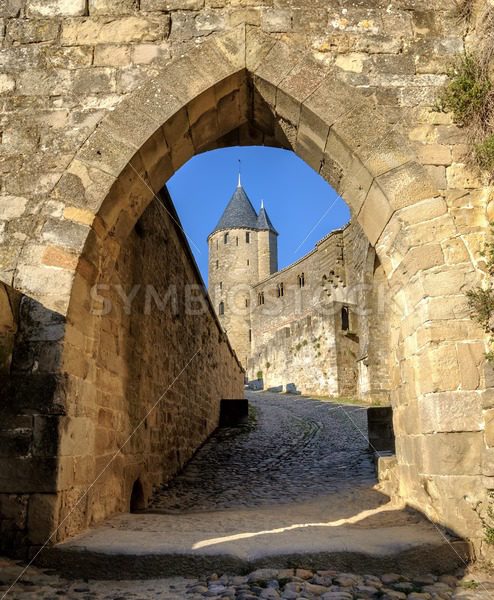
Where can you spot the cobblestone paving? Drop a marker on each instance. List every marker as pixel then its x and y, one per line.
pixel 299 448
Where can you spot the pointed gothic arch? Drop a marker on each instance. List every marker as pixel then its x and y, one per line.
pixel 246 88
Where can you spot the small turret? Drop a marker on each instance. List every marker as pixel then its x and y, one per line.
pixel 267 245
pixel 264 222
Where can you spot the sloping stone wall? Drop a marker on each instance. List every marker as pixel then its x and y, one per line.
pixel 162 365
pixel 153 378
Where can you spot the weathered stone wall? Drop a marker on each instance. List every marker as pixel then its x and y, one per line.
pixel 297 337
pixel 163 345
pixel 95 120
pixel 372 318
pixel 302 353
pixel 154 377
pixel 32 402
pixel 377 353
pixel 233 269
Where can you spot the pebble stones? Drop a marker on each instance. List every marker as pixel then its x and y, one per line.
pixel 288 584
pixel 264 584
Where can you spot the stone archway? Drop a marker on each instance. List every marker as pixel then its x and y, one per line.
pixel 247 88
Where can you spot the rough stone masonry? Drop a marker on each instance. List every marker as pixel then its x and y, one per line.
pixel 101 102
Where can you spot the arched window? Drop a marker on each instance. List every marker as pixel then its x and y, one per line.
pixel 225 238
pixel 246 302
pixel 345 318
pixel 237 240
pixel 301 280
pixel 248 262
pixel 280 290
pixel 260 298
pixel 221 285
pixel 247 237
pixel 217 263
pixel 221 309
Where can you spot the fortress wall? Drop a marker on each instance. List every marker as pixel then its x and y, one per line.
pixel 143 347
pixel 304 353
pixel 299 335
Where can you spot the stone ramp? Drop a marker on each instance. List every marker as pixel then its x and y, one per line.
pixel 311 535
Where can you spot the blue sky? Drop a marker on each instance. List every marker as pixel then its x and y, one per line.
pixel 296 198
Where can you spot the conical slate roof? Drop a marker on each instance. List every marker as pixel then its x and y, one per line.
pixel 239 212
pixel 264 222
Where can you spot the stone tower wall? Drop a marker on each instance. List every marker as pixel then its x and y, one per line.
pixel 299 337
pixel 267 254
pixel 233 270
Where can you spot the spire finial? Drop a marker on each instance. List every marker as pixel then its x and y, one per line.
pixel 239 169
pixel 262 203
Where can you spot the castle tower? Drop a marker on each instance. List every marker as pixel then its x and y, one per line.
pixel 242 251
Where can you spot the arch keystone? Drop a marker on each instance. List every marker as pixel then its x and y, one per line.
pixel 299 84
pixel 257 46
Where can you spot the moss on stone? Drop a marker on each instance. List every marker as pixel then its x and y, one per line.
pixel 484 153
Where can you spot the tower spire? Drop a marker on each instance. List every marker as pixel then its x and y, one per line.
pixel 239 184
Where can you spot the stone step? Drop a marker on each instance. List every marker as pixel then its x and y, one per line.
pixel 132 546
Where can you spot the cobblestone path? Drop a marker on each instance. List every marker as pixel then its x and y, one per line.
pixel 296 449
